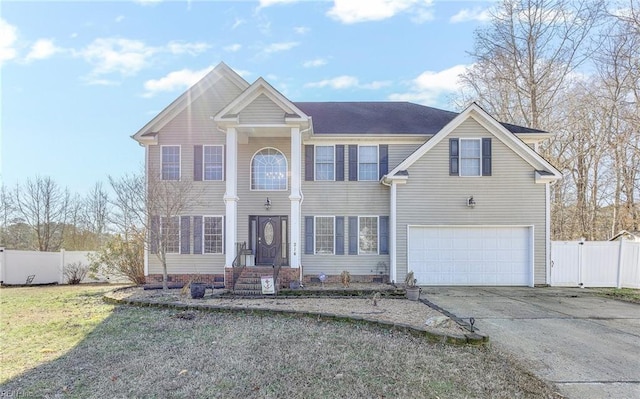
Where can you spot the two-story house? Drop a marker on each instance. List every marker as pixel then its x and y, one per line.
pixel 373 188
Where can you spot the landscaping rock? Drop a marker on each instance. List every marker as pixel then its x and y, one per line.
pixel 438 322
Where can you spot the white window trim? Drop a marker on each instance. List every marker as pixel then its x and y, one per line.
pixel 204 175
pixel 286 161
pixel 460 140
pixel 377 234
pixel 179 161
pixel 203 239
pixel 377 161
pixel 179 252
pixel 315 226
pixel 315 162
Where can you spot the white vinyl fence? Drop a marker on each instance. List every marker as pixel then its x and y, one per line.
pixel 46 267
pixel 595 264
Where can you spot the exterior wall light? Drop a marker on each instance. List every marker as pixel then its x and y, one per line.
pixel 267 204
pixel 471 203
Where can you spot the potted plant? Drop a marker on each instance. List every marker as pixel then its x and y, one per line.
pixel 412 290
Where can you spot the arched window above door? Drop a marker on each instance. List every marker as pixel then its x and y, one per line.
pixel 269 170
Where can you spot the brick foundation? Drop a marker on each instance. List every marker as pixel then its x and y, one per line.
pixel 185 278
pixel 337 279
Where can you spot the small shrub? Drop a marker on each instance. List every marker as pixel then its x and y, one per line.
pixel 346 278
pixel 75 272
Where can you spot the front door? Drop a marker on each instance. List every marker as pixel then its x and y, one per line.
pixel 271 240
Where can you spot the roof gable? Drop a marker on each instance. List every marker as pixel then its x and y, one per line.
pixel 187 98
pixel 494 127
pixel 259 88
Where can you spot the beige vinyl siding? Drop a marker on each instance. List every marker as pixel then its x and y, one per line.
pixel 508 197
pixel 343 198
pixel 191 127
pixel 399 152
pixel 262 111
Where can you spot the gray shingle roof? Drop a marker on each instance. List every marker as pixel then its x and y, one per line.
pixel 382 118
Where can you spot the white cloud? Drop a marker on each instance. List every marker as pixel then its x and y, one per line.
pixel 475 14
pixel 115 55
pixel 282 46
pixel 350 12
pixel 177 47
pixel 119 18
pixel 42 49
pixel 173 81
pixel 301 30
pixel 8 38
pixel 314 63
pixel 268 3
pixel 237 23
pixel 347 82
pixel 147 2
pixel 430 85
pixel 127 57
pixel 232 48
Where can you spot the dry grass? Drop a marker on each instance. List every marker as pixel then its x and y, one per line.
pixel 154 353
pixel 623 294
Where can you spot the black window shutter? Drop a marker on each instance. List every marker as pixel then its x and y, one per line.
pixel 353 163
pixel 353 235
pixel 453 157
pixel 308 162
pixel 486 157
pixel 383 158
pixel 339 235
pixel 185 235
pixel 384 235
pixel 197 235
pixel 153 234
pixel 340 163
pixel 224 235
pixel 197 163
pixel 308 235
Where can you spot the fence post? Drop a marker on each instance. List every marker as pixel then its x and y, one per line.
pixel 3 265
pixel 619 281
pixel 581 245
pixel 61 280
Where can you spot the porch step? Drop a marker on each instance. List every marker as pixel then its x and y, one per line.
pixel 249 283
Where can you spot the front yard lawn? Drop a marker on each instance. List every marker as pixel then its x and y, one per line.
pixel 64 341
pixel 623 294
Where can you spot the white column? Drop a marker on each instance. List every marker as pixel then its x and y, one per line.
pixel 547 233
pixel 231 197
pixel 392 233
pixel 296 196
pixel 146 187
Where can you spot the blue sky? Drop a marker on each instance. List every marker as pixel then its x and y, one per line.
pixel 79 78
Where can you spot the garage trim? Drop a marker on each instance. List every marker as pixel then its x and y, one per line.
pixel 529 227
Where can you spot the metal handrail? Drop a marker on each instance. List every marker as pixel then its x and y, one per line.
pixel 237 262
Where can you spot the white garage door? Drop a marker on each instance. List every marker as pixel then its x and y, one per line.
pixel 493 255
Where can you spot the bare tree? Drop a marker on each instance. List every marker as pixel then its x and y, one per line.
pixel 6 213
pixel 43 205
pixel 96 210
pixel 524 58
pixel 155 206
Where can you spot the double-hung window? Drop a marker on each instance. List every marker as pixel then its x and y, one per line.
pixel 324 235
pixel 325 162
pixel 368 235
pixel 212 234
pixel 368 163
pixel 170 233
pixel 470 157
pixel 170 162
pixel 213 162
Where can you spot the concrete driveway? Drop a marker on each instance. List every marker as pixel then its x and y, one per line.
pixel 587 345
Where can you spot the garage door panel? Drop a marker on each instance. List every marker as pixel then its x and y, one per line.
pixel 488 255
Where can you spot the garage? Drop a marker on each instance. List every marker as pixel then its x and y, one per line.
pixel 471 255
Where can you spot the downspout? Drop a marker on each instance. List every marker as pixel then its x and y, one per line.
pixel 392 228
pixel 301 274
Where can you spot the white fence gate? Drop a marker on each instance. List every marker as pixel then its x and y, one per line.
pixel 595 264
